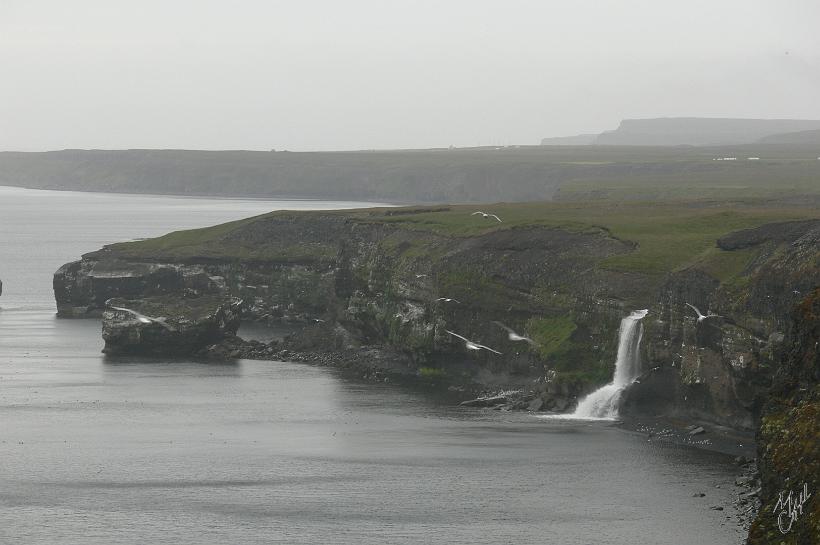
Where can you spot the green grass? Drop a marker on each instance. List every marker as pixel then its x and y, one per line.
pixel 667 235
pixel 431 372
pixel 726 266
pixel 551 334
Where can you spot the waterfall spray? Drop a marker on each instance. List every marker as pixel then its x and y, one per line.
pixel 603 402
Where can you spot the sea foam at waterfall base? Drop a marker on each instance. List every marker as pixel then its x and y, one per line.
pixel 98 450
pixel 603 403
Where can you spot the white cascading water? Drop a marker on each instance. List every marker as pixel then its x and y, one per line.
pixel 603 402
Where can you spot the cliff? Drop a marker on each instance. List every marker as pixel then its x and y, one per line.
pixel 789 439
pixel 700 131
pixel 563 274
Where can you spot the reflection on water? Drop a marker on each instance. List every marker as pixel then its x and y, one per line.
pixel 104 451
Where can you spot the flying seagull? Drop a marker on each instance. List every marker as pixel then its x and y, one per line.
pixel 142 318
pixel 513 336
pixel 448 300
pixel 486 215
pixel 701 317
pixel 470 344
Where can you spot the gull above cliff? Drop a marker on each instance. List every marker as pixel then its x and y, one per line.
pixel 142 318
pixel 486 215
pixel 513 336
pixel 470 345
pixel 702 317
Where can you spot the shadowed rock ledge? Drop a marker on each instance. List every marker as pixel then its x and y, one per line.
pixel 168 326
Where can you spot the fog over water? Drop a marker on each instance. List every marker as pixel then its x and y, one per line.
pixel 103 451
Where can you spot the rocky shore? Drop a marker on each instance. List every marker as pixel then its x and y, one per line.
pixel 381 300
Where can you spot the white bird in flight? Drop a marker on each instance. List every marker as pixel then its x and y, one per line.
pixel 486 215
pixel 701 317
pixel 470 344
pixel 142 318
pixel 513 336
pixel 448 300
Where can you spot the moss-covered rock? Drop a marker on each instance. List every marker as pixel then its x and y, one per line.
pixel 789 439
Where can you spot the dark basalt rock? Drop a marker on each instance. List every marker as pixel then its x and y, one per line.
pixel 167 326
pixel 788 231
pixel 789 438
pixel 82 287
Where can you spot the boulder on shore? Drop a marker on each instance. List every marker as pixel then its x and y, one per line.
pixel 168 326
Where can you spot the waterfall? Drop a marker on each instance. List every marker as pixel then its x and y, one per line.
pixel 603 402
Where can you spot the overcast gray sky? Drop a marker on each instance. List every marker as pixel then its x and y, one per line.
pixel 359 74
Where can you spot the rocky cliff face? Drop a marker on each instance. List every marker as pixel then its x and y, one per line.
pixel 717 369
pixel 789 439
pixel 371 282
pixel 168 326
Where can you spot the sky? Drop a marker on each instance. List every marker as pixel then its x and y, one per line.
pixel 380 74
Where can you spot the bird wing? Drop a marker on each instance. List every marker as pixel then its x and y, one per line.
pixel 502 326
pixel 693 307
pixel 488 348
pixel 496 217
pixel 478 212
pixel 162 322
pixel 465 339
pixel 140 317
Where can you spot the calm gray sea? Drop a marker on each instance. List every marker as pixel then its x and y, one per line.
pixel 102 452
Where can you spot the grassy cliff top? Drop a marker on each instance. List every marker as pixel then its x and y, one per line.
pixel 667 235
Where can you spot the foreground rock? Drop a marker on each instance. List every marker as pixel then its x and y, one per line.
pixel 789 440
pixel 168 326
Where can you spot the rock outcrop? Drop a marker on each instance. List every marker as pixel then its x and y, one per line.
pixel 371 282
pixel 789 440
pixel 168 326
pixel 719 369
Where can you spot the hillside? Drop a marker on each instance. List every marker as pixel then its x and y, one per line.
pixel 699 131
pixel 512 174
pixel 808 138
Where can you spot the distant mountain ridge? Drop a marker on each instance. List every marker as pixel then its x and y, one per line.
pixel 510 174
pixel 801 137
pixel 697 131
